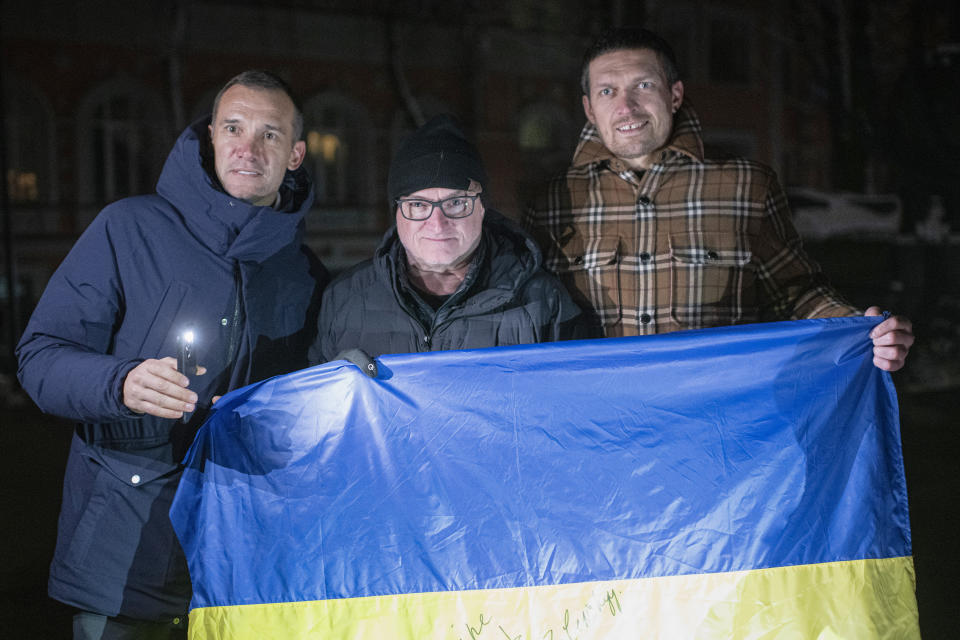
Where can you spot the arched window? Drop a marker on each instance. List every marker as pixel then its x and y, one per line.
pixel 29 143
pixel 123 135
pixel 545 128
pixel 339 136
pixel 546 136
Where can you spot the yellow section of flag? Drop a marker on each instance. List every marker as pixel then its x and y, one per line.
pixel 861 599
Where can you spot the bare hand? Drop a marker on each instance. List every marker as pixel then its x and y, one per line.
pixel 157 388
pixel 892 340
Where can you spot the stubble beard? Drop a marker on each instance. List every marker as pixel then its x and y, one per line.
pixel 632 149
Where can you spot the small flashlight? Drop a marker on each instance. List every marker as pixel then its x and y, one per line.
pixel 186 356
pixel 186 361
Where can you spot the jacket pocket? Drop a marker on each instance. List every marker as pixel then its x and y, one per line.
pixel 114 521
pixel 590 270
pixel 708 273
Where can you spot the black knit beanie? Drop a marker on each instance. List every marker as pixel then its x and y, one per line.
pixel 437 155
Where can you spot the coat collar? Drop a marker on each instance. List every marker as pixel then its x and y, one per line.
pixel 227 226
pixel 510 255
pixel 685 140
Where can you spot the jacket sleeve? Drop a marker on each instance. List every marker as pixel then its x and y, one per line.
pixel 793 284
pixel 541 219
pixel 324 347
pixel 307 338
pixel 64 354
pixel 567 322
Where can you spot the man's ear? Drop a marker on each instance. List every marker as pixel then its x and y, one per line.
pixel 588 110
pixel 676 95
pixel 297 154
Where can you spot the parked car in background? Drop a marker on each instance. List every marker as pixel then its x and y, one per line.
pixel 818 215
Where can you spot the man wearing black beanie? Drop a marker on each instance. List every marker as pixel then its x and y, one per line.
pixel 451 274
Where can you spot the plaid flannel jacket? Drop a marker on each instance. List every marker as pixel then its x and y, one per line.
pixel 690 243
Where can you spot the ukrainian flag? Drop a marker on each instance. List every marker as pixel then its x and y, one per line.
pixel 740 482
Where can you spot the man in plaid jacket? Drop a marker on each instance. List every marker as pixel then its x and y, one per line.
pixel 651 237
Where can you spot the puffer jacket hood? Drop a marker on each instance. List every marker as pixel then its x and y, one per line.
pixel 229 226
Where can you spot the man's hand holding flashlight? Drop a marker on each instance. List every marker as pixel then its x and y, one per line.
pixel 157 388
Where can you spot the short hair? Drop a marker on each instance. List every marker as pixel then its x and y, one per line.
pixel 266 81
pixel 620 38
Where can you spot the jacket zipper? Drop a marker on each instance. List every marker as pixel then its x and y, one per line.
pixel 233 343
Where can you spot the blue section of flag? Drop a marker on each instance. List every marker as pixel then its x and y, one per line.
pixel 694 452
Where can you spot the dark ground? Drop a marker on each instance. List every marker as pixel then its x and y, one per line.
pixel 35 448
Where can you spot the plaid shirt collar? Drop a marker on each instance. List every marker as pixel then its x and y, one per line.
pixel 684 140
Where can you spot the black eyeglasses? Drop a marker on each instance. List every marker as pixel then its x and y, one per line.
pixel 454 207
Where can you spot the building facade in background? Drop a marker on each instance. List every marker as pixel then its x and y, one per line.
pixel 94 93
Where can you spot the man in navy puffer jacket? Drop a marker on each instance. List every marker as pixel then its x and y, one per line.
pixel 216 251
